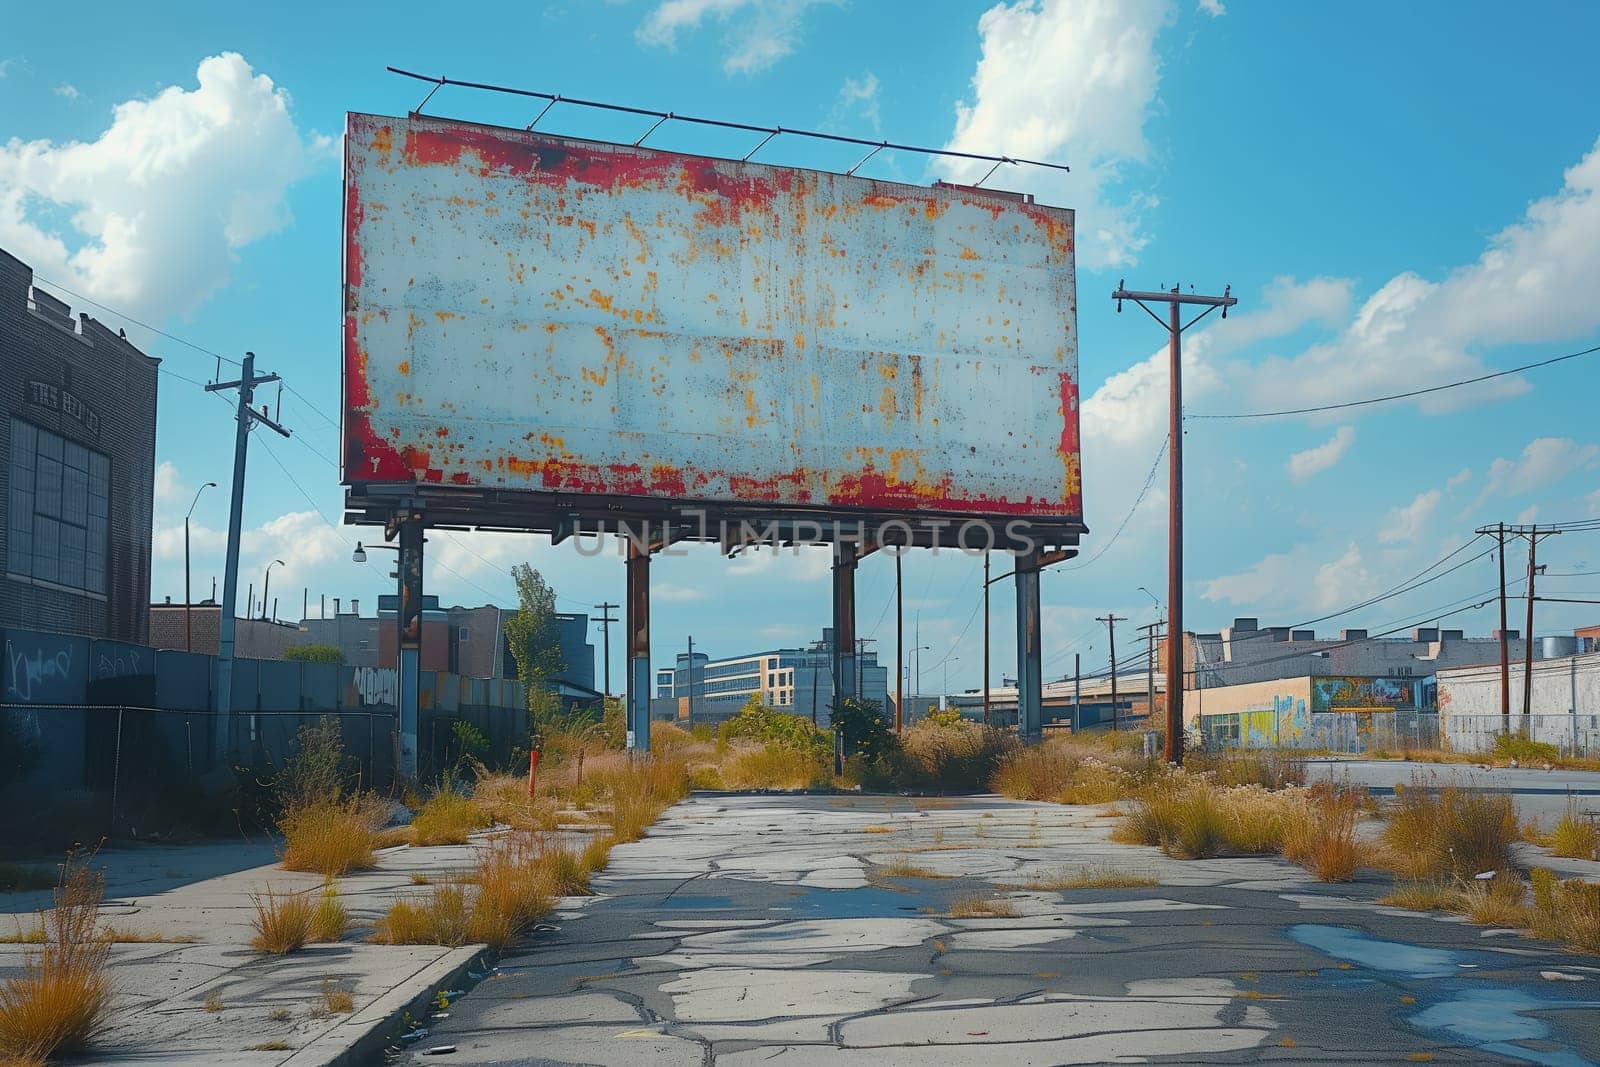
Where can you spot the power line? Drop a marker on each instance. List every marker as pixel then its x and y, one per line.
pixel 1400 396
pixel 1149 481
pixel 129 318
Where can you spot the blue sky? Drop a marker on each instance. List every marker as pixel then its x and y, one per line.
pixel 1399 194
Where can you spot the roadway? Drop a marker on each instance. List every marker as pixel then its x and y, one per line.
pixel 749 930
pixel 1539 794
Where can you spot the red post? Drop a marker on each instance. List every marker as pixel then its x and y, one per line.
pixel 533 769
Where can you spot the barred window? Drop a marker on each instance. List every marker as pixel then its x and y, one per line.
pixel 58 511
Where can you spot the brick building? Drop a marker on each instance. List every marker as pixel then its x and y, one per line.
pixel 77 467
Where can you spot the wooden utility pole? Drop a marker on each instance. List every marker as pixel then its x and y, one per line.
pixel 1174 325
pixel 1151 636
pixel 1499 531
pixel 1111 630
pixel 986 639
pixel 1533 534
pixel 605 620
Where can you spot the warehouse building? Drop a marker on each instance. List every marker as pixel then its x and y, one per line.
pixel 77 467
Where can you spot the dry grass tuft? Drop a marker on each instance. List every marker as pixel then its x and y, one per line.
pixel 335 1001
pixel 1098 877
pixel 119 935
pixel 330 919
pixel 58 1002
pixel 977 906
pixel 1575 836
pixel 282 924
pixel 596 854
pixel 448 818
pixel 906 869
pixel 640 791
pixel 510 889
pixel 1496 901
pixel 1180 815
pixel 331 837
pixel 1423 896
pixel 1321 832
pixel 880 830
pixel 1566 911
pixel 1436 833
pixel 213 1003
pixel 16 878
pixel 1073 772
pixel 1268 768
pixel 773 766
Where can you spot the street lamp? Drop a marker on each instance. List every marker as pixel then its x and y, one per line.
pixel 1160 611
pixel 918 651
pixel 188 631
pixel 266 584
pixel 944 694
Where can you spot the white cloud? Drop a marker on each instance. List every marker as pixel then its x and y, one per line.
pixel 1527 516
pixel 1071 81
pixel 169 487
pixel 67 90
pixel 5 65
pixel 1406 524
pixel 1593 501
pixel 1313 461
pixel 858 99
pixel 163 200
pixel 1532 284
pixel 1213 8
pixel 758 32
pixel 1125 420
pixel 670 593
pixel 1545 461
pixel 1268 578
pixel 1458 479
pixel 1345 580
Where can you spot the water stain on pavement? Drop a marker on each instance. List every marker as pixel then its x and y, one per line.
pixel 1490 1016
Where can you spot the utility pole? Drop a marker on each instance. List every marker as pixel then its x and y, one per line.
pixel 1077 694
pixel 605 620
pixel 691 679
pixel 246 417
pixel 1499 530
pixel 1111 629
pixel 899 650
pixel 1532 533
pixel 1175 326
pixel 861 652
pixel 1150 635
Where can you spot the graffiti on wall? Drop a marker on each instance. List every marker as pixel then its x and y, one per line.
pixel 1364 694
pixel 377 685
pixel 120 661
pixel 31 669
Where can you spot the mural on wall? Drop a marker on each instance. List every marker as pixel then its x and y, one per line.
pixel 1362 694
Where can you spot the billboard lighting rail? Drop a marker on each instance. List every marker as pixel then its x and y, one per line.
pixel 770 132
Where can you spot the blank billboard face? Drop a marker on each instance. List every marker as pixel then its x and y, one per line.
pixel 588 321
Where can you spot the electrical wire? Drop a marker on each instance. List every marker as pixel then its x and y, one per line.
pixel 1149 481
pixel 129 318
pixel 1398 396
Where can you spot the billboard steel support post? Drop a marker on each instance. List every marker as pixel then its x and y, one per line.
pixel 409 620
pixel 1030 695
pixel 638 626
pixel 845 557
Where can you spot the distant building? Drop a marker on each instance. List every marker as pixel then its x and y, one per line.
pixel 794 680
pixel 77 468
pixel 1565 707
pixel 253 638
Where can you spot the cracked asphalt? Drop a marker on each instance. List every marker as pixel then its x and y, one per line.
pixel 804 930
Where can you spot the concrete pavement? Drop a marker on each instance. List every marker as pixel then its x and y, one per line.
pixel 747 930
pixel 1539 794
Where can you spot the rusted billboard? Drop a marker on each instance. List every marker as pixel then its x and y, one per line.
pixel 538 327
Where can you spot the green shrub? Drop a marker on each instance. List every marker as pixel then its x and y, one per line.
pixel 956 755
pixel 1524 750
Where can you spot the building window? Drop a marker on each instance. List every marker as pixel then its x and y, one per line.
pixel 60 500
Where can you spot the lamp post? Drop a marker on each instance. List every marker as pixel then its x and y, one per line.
pixel 188 630
pixel 944 693
pixel 266 584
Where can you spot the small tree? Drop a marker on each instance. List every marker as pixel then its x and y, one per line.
pixel 534 639
pixel 948 717
pixel 862 724
pixel 314 654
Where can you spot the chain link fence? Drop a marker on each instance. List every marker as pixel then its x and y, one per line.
pixel 1355 733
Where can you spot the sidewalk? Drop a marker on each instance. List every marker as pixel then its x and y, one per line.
pixel 197 993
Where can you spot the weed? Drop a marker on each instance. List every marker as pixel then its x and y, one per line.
pixel 448 818
pixel 36 935
pixel 280 1015
pixel 282 924
pixel 1320 834
pixel 213 1003
pixel 1180 815
pixel 1449 831
pixel 1422 896
pixel 331 838
pixel 1574 836
pixel 596 854
pixel 118 935
pixel 274 1045
pixel 641 791
pixel 1524 750
pixel 880 830
pixel 57 1003
pixel 509 890
pixel 1267 768
pixel 977 906
pixel 1566 911
pixel 774 766
pixel 1496 901
pixel 335 1001
pixel 330 919
pixel 418 878
pixel 1099 877
pixel 906 869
